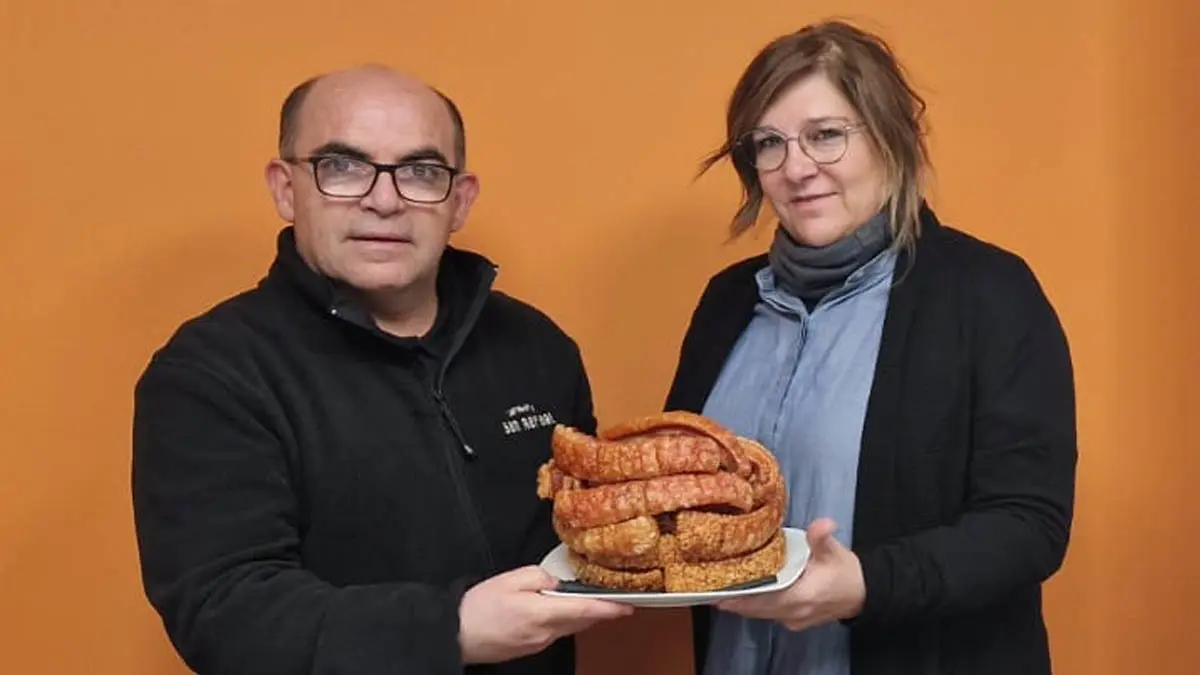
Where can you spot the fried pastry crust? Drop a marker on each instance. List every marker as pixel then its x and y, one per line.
pixel 630 538
pixel 647 456
pixel 698 536
pixel 704 536
pixel 672 502
pixel 733 458
pixel 664 551
pixel 551 479
pixel 613 503
pixel 686 577
pixel 718 574
pixel 647 581
pixel 764 474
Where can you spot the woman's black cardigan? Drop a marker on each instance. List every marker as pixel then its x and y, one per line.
pixel 966 475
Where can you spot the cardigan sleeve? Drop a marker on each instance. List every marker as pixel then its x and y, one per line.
pixel 1014 529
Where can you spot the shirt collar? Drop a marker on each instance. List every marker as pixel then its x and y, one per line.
pixel 870 274
pixel 462 275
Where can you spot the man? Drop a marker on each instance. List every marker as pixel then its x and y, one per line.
pixel 334 472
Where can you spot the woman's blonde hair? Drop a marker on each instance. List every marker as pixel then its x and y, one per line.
pixel 863 68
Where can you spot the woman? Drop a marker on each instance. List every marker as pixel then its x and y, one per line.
pixel 914 382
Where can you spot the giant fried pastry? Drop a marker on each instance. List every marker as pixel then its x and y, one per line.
pixel 667 503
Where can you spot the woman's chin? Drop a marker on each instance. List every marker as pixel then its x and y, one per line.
pixel 817 232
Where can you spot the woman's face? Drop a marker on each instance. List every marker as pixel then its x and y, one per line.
pixel 818 202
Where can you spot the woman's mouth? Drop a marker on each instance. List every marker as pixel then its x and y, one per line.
pixel 809 199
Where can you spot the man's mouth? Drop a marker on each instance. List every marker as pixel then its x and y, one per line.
pixel 381 238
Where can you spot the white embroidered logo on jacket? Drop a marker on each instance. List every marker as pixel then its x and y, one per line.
pixel 526 417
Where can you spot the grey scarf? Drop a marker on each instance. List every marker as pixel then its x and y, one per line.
pixel 809 272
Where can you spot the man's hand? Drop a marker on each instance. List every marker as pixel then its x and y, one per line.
pixel 830 589
pixel 504 617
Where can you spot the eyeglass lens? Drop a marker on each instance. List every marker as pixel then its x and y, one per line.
pixel 823 143
pixel 349 177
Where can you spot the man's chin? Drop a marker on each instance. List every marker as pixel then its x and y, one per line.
pixel 374 277
pixel 375 285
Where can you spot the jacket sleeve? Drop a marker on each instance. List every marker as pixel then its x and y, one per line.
pixel 1014 528
pixel 218 528
pixel 583 410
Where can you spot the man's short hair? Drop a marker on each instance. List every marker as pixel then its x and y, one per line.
pixel 289 116
pixel 289 121
pixel 460 130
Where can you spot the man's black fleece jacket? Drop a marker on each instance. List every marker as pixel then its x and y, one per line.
pixel 312 496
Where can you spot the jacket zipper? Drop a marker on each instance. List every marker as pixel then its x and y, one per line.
pixel 458 476
pixel 460 480
pixel 448 416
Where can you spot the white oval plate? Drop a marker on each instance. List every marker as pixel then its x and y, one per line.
pixel 555 563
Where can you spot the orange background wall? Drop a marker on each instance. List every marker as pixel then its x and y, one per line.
pixel 132 197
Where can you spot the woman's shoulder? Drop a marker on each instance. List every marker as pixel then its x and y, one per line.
pixel 997 283
pixel 733 284
pixel 984 264
pixel 738 273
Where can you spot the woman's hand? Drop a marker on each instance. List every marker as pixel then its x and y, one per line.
pixel 830 589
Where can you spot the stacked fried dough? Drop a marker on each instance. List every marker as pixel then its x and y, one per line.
pixel 672 502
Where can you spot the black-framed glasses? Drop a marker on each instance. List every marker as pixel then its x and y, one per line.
pixel 823 142
pixel 420 181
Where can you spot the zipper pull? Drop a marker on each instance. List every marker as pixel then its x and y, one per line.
pixel 446 413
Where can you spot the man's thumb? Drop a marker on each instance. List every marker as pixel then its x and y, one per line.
pixel 820 537
pixel 531 578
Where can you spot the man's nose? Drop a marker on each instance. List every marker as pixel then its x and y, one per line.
pixel 384 197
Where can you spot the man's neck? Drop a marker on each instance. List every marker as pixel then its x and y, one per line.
pixel 410 313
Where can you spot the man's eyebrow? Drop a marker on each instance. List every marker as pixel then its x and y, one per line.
pixel 346 150
pixel 426 153
pixel 342 149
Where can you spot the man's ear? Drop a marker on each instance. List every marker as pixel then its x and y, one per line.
pixel 279 182
pixel 465 191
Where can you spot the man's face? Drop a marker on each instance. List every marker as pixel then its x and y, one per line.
pixel 379 242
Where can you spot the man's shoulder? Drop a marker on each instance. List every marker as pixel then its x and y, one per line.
pixel 217 338
pixel 503 313
pixel 508 313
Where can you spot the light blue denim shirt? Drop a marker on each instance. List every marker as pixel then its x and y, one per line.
pixel 798 382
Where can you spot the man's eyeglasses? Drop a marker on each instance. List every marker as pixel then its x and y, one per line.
pixel 421 181
pixel 824 142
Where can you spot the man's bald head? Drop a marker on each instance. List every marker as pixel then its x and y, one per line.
pixel 381 233
pixel 290 112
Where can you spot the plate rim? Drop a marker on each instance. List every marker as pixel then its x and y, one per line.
pixel 667 600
